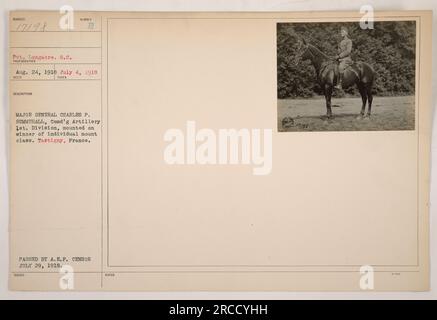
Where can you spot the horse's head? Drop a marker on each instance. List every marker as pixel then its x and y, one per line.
pixel 306 52
pixel 303 50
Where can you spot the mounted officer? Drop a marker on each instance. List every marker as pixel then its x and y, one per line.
pixel 344 55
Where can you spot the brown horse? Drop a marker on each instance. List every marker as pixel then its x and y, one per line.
pixel 359 73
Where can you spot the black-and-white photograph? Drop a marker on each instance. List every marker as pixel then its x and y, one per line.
pixel 342 77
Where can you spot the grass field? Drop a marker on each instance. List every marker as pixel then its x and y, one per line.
pixel 388 113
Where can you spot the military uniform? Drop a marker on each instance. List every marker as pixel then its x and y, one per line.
pixel 344 54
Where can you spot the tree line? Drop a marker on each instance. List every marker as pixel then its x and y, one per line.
pixel 389 48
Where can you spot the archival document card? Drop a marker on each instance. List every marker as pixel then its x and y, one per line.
pixel 219 151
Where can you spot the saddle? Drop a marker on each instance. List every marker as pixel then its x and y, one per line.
pixel 354 67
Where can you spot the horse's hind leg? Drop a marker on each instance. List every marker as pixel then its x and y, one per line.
pixel 328 95
pixel 370 97
pixel 363 94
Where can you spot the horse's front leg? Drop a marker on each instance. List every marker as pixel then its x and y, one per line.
pixel 328 95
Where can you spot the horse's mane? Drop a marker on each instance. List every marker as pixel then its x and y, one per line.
pixel 316 52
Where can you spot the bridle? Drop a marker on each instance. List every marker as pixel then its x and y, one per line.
pixel 301 50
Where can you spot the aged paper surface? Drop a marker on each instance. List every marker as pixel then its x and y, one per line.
pixel 103 198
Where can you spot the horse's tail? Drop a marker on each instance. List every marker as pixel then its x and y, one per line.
pixel 367 74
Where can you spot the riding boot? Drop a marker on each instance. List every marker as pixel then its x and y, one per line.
pixel 339 83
